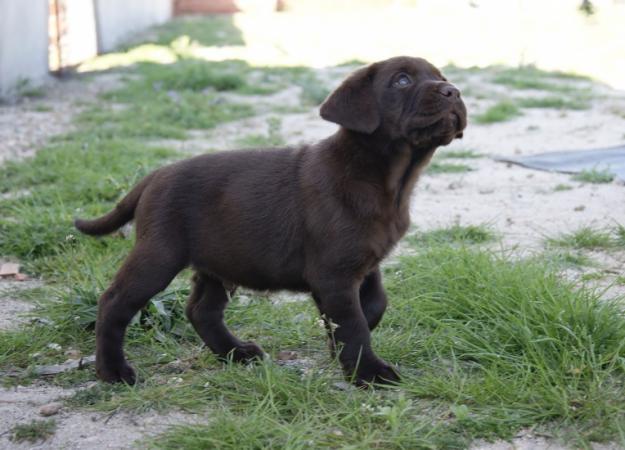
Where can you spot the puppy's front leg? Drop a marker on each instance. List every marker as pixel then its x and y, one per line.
pixel 341 306
pixel 373 298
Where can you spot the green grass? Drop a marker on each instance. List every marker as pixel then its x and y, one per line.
pixel 25 88
pixel 34 431
pixel 530 77
pixel 584 238
pixel 555 103
pixel 562 187
pixel 594 176
pixel 619 231
pixel 487 346
pixel 273 138
pixel 459 154
pixel 455 234
pixel 216 30
pixel 435 168
pixel 500 112
pixel 568 259
pixel 42 108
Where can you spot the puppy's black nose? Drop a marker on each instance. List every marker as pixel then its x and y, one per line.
pixel 448 90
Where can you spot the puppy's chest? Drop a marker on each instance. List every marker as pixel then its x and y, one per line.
pixel 384 233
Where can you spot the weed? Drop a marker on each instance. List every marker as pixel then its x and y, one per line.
pixel 42 108
pixel 25 88
pixel 216 30
pixel 619 232
pixel 566 259
pixel 593 276
pixel 594 176
pixel 512 334
pixel 530 77
pixel 499 112
pixel 459 154
pixel 36 430
pixel 562 187
pixel 93 395
pixel 554 102
pixel 273 138
pixel 352 62
pixel 436 168
pixel 584 238
pixel 455 234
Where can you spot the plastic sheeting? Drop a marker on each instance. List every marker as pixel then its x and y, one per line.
pixel 610 159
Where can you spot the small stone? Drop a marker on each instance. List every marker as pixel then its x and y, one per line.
pixel 73 353
pixel 286 355
pixel 54 346
pixel 9 269
pixel 50 409
pixel 579 208
pixel 343 386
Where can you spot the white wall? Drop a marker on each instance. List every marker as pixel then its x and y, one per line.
pixel 23 42
pixel 118 19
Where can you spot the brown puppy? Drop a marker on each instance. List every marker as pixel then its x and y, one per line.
pixel 317 218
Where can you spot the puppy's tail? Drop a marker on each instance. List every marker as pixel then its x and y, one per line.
pixel 123 213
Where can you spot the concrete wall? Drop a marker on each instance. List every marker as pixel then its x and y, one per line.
pixel 118 19
pixel 23 42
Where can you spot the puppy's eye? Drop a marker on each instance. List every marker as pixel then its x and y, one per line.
pixel 402 80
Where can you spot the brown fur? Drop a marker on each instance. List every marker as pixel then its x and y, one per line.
pixel 317 218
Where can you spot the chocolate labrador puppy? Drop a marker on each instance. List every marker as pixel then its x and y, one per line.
pixel 319 218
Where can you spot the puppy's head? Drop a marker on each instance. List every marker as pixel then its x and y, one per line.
pixel 399 98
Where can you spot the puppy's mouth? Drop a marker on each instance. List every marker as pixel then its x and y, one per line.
pixel 440 128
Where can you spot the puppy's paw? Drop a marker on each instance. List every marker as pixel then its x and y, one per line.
pixel 246 352
pixel 120 374
pixel 376 372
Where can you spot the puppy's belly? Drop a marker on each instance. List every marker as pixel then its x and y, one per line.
pixel 254 273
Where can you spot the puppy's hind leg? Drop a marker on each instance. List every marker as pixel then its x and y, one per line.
pixel 205 310
pixel 145 273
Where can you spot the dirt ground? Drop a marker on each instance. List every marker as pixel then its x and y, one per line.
pixel 520 204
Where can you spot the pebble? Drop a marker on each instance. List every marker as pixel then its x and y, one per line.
pixel 50 409
pixel 286 355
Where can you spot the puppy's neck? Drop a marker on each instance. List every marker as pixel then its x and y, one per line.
pixel 394 164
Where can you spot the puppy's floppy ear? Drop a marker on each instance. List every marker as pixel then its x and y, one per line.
pixel 353 104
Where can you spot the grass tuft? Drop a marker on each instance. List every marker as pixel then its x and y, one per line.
pixel 566 259
pixel 273 138
pixel 562 187
pixel 619 232
pixel 36 430
pixel 584 238
pixel 555 103
pixel 499 112
pixel 594 176
pixel 455 234
pixel 530 77
pixel 459 154
pixel 436 168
